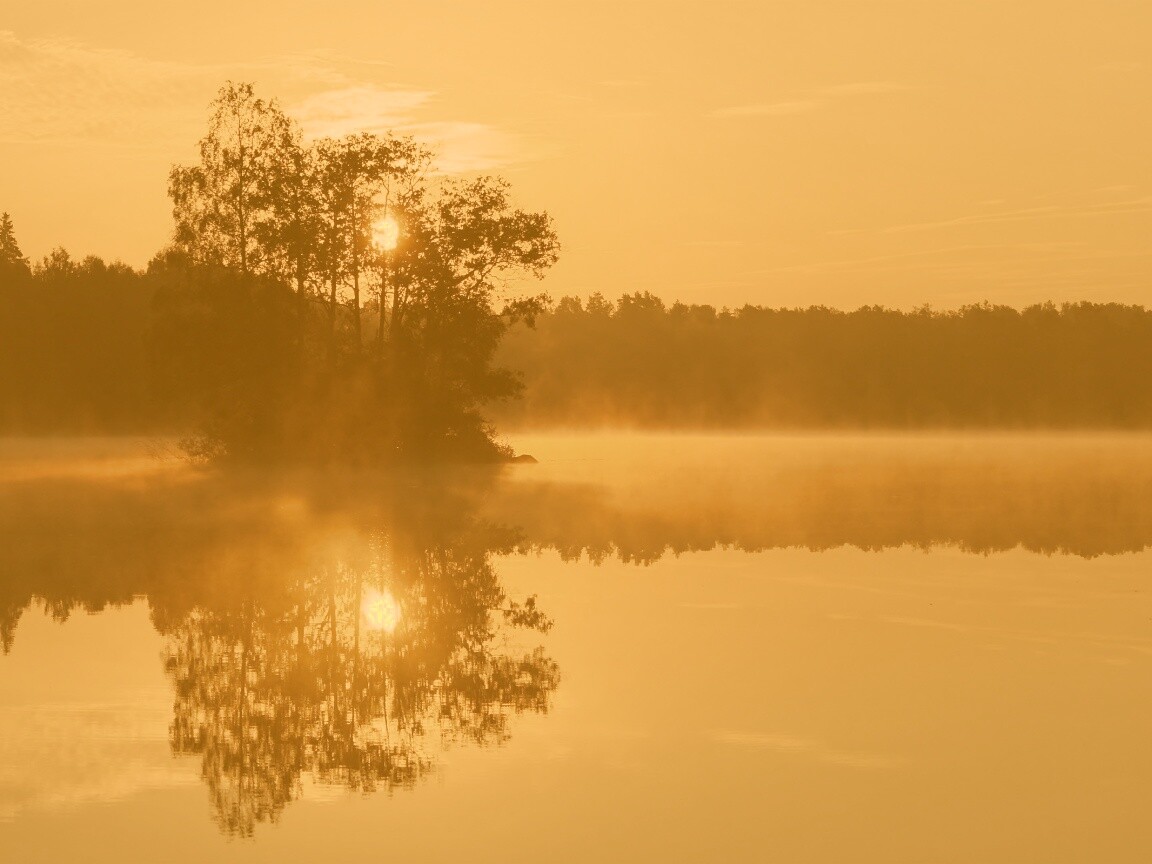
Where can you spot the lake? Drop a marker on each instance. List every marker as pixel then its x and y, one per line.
pixel 762 648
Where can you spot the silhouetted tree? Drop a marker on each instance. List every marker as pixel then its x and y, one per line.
pixel 442 326
pixel 261 205
pixel 13 265
pixel 354 179
pixel 226 207
pixel 72 347
pixel 639 364
pixel 233 352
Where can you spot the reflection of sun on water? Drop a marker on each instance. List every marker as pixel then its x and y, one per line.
pixel 380 610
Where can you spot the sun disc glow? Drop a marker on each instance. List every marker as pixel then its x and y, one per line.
pixel 380 610
pixel 386 233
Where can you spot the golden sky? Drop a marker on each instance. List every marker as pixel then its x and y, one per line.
pixel 838 152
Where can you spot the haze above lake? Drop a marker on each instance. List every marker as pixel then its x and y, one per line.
pixel 741 648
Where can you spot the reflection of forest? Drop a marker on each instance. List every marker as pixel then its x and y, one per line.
pixel 661 495
pixel 281 669
pixel 188 542
pixel 258 583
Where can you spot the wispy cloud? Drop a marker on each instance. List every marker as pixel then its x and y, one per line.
pixel 361 108
pixel 814 99
pixel 768 109
pixel 463 147
pixel 917 260
pixel 460 145
pixel 59 91
pixel 981 263
pixel 1123 66
pixel 715 244
pixel 865 88
pixel 1048 211
pixel 623 82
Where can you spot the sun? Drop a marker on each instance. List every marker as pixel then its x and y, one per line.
pixel 380 610
pixel 386 233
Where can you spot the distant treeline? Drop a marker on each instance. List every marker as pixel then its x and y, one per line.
pixel 320 302
pixel 75 350
pixel 92 347
pixel 640 363
pixel 88 347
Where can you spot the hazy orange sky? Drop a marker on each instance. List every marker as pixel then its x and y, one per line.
pixel 839 152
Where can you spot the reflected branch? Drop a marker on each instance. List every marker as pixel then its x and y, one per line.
pixel 294 680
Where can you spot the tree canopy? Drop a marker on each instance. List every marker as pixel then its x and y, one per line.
pixel 13 264
pixel 338 299
pixel 643 364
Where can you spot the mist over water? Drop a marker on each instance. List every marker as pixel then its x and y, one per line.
pixel 576 432
pixel 721 636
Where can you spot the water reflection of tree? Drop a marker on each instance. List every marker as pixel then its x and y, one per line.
pixel 290 680
pixel 83 544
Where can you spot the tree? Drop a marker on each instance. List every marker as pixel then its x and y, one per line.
pixel 229 209
pixel 355 179
pixel 270 210
pixel 450 306
pixel 13 264
pixel 231 355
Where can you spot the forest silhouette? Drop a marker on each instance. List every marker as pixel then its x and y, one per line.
pixel 341 301
pixel 640 363
pixel 88 347
pixel 328 301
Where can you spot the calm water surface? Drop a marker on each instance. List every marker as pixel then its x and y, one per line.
pixel 793 649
